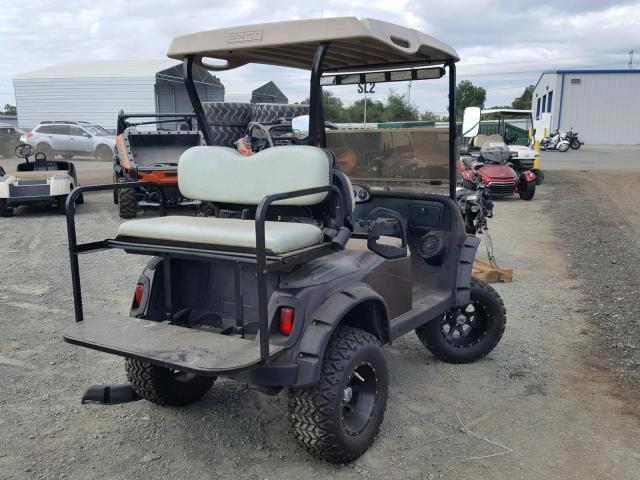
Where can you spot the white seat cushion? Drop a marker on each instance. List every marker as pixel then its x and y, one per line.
pixel 280 237
pixel 221 174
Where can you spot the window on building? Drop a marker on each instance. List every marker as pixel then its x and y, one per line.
pixel 538 109
pixel 549 100
pixel 544 104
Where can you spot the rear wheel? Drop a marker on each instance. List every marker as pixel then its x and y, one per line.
pixel 464 335
pixel 127 203
pixel 46 150
pixel 104 154
pixel 575 144
pixel 338 419
pixel 5 211
pixel 529 191
pixel 165 386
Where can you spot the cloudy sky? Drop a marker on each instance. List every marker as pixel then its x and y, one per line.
pixel 503 44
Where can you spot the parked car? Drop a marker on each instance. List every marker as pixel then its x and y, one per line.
pixel 9 140
pixel 67 139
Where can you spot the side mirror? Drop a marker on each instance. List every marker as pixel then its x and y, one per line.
pixel 300 126
pixel 471 122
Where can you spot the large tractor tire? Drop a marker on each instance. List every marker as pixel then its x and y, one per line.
pixel 164 386
pixel 127 203
pixel 338 419
pixel 465 335
pixel 232 114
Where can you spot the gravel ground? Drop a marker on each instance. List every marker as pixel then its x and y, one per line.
pixel 544 395
pixel 599 218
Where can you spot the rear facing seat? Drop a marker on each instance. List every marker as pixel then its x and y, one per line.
pixel 221 174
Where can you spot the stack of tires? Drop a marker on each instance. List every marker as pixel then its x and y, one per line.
pixel 227 121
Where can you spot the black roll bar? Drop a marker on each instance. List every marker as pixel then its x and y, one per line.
pixel 75 249
pixel 316 118
pixel 187 73
pixel 261 254
pixel 452 130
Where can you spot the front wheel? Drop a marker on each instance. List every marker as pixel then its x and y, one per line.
pixel 127 203
pixel 164 386
pixel 466 334
pixel 529 191
pixel 5 211
pixel 563 147
pixel 338 419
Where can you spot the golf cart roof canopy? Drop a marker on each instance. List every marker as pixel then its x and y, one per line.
pixel 354 43
pixel 507 112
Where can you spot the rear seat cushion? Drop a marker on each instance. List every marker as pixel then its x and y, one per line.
pixel 280 237
pixel 221 174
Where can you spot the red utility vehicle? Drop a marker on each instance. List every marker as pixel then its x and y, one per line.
pixel 490 166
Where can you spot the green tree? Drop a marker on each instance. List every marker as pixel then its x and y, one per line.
pixel 10 110
pixel 468 95
pixel 334 110
pixel 399 109
pixel 375 111
pixel 523 102
pixel 434 117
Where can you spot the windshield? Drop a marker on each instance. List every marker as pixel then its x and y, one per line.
pixel 390 134
pixel 96 130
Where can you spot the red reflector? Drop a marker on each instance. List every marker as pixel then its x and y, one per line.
pixel 29 134
pixel 287 315
pixel 138 295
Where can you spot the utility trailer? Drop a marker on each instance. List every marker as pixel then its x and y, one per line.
pixel 302 288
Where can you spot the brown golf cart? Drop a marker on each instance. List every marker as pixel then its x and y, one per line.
pixel 303 287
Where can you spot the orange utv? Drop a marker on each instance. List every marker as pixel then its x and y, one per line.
pixel 148 147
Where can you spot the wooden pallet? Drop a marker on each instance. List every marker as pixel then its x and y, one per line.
pixel 490 272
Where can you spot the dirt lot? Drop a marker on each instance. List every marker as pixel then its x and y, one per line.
pixel 546 395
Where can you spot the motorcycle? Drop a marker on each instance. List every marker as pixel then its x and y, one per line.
pixel 492 168
pixel 555 141
pixel 572 138
pixel 476 207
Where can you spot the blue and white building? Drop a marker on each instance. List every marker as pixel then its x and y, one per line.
pixel 602 105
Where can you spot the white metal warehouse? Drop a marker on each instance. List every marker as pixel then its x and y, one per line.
pixel 602 105
pixel 96 91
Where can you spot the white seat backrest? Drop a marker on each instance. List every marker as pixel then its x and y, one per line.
pixel 222 174
pixel 479 140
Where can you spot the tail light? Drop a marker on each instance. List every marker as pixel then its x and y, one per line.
pixel 137 298
pixel 287 316
pixel 29 134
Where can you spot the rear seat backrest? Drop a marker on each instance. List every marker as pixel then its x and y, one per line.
pixel 221 174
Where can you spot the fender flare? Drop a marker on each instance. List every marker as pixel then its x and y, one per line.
pixel 527 176
pixel 323 322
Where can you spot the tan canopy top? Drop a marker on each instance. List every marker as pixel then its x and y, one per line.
pixel 354 43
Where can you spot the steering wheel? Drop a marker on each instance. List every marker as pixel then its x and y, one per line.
pixel 267 136
pixel 24 150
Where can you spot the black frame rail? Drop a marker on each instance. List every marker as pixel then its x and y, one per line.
pixel 264 262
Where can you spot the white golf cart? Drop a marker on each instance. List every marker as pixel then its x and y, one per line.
pixel 39 181
pixel 518 139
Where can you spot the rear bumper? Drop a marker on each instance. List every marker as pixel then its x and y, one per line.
pixel 186 349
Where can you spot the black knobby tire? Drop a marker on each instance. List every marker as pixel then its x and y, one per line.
pixel 226 136
pixel 62 200
pixel 229 114
pixel 104 154
pixel 529 191
pixel 329 425
pixel 484 333
pixel 127 203
pixel 164 386
pixel 5 211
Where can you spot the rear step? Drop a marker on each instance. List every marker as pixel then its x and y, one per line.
pixel 170 346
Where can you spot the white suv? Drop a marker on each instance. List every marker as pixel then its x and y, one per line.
pixel 72 138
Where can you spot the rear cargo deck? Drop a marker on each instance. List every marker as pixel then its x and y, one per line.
pixel 170 346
